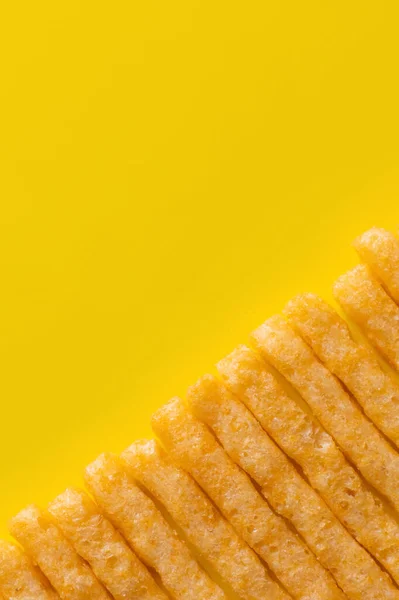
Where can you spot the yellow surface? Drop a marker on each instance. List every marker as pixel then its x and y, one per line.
pixel 170 174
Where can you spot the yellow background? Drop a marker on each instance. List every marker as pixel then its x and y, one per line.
pixel 170 174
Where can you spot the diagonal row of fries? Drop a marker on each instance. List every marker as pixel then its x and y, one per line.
pixel 277 479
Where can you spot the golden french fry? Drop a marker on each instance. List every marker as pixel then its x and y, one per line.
pixel 357 367
pixel 359 439
pixel 191 444
pixel 19 578
pixel 145 529
pixel 380 250
pixel 96 540
pixel 289 494
pixel 43 541
pixel 306 442
pixel 369 306
pixel 202 523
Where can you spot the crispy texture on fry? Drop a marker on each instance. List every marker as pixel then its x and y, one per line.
pixel 379 249
pixel 202 523
pixel 252 449
pixel 98 542
pixel 306 442
pixel 192 445
pixel 19 579
pixel 67 572
pixel 146 530
pixel 367 304
pixel 357 367
pixel 358 438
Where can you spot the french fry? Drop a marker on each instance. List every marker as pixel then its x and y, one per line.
pixel 305 441
pixel 379 249
pixel 43 541
pixel 147 532
pixel 252 449
pixel 19 578
pixel 358 438
pixel 98 542
pixel 203 525
pixel 354 364
pixel 191 444
pixel 369 306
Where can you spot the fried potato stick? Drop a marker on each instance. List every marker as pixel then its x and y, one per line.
pixel 354 364
pixel 202 523
pixel 304 440
pixel 358 438
pixel 252 449
pixel 192 445
pixel 98 542
pixel 369 306
pixel 64 568
pixel 19 578
pixel 379 249
pixel 146 530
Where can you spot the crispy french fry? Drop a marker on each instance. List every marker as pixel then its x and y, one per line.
pixel 98 542
pixel 252 449
pixel 379 249
pixel 334 408
pixel 355 364
pixel 191 444
pixel 145 529
pixel 306 442
pixel 43 541
pixel 19 578
pixel 202 523
pixel 367 304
